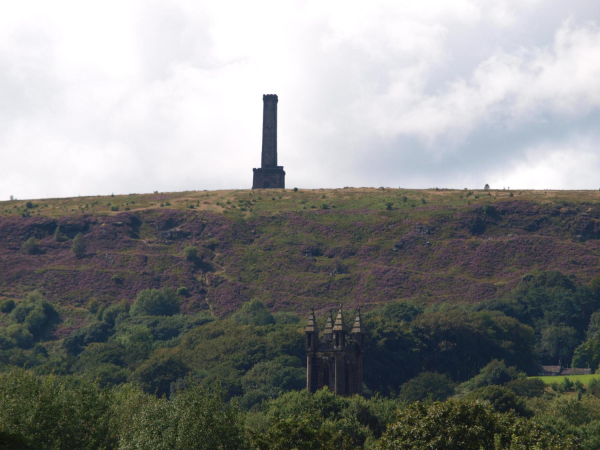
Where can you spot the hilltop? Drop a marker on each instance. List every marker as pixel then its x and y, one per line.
pixel 295 249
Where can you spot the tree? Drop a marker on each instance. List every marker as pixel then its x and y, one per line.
pixel 427 385
pixel 254 312
pixel 154 302
pixel 465 425
pixel 78 246
pixel 267 379
pixel 7 306
pixel 527 387
pixel 56 412
pixel 193 420
pixel 192 254
pixel 502 399
pixel 76 342
pixel 557 343
pixel 35 314
pixel 486 187
pixel 494 374
pixel 156 375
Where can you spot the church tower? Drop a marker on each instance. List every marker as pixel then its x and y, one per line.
pixel 336 360
pixel 270 175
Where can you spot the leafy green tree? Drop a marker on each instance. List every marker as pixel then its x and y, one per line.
pixel 76 342
pixel 389 344
pixel 154 302
pixel 427 385
pixel 193 420
pixel 267 379
pixel 114 313
pixel 399 311
pixel 56 413
pixel 254 312
pixel 461 342
pixel 137 341
pixel 35 314
pixel 19 335
pixel 494 373
pixel 557 342
pixel 156 374
pixel 502 399
pixel 7 306
pixel 98 353
pixel 527 387
pixel 466 425
pixel 79 247
pixel 192 254
pixel 300 419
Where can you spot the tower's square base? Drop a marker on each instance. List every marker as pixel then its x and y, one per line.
pixel 269 178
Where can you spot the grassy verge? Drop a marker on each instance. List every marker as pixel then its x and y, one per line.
pixel 585 379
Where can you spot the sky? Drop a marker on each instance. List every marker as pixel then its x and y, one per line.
pixel 140 96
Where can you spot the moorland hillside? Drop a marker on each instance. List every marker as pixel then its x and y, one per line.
pixel 293 249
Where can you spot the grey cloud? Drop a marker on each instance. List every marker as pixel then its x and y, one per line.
pixel 426 94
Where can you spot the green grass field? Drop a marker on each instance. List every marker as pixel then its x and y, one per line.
pixel 585 379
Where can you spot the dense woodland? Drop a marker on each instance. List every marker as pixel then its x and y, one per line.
pixel 143 375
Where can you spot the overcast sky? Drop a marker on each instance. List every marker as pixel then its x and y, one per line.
pixel 100 97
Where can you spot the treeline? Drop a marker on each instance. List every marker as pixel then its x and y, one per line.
pixel 254 354
pixel 68 412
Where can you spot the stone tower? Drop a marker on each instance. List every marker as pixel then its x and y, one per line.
pixel 336 359
pixel 270 175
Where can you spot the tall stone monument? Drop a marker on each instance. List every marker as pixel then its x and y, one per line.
pixel 270 175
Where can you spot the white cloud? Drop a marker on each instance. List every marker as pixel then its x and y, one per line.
pixel 125 96
pixel 572 165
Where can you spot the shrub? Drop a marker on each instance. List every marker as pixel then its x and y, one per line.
pixel 183 291
pixel 58 236
pixel 567 384
pixel 154 302
pixel 117 279
pixel 593 387
pixel 191 254
pixel 7 306
pixel 389 206
pixel 486 187
pixel 78 246
pixel 31 246
pixel 488 210
pixel 295 189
